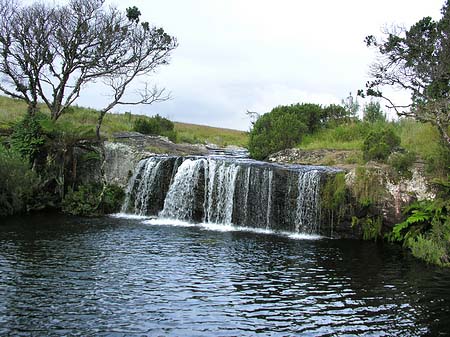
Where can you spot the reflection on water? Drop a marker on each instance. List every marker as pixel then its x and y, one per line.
pixel 71 276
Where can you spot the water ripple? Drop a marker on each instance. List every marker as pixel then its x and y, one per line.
pixel 120 277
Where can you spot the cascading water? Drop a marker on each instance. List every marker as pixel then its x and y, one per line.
pixel 228 191
pixel 308 206
pixel 181 200
pixel 219 191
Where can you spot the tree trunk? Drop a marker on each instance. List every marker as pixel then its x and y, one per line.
pixel 32 108
pixel 99 124
pixel 443 132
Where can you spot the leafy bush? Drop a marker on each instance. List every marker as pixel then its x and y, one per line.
pixel 155 125
pixel 112 199
pixel 92 199
pixel 372 113
pixel 426 230
pixel 17 182
pixel 285 127
pixel 84 201
pixel 430 250
pixel 380 143
pixel 402 162
pixel 371 227
pixel 273 132
pixel 27 137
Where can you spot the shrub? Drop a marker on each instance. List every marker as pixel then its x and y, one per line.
pixel 372 113
pixel 17 182
pixel 92 199
pixel 430 251
pixel 402 162
pixel 27 137
pixel 273 132
pixel 285 127
pixel 112 199
pixel 380 143
pixel 155 125
pixel 84 201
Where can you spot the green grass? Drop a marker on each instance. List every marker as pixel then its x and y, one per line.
pixel 419 137
pixel 11 111
pixel 83 120
pixel 342 137
pixel 193 133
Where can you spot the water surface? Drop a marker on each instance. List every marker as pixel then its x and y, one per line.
pixel 107 276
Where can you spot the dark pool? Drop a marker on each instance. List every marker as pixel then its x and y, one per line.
pixel 116 277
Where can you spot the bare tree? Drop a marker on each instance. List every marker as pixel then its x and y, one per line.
pixel 416 60
pixel 51 53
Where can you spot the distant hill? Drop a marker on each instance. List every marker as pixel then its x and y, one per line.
pixel 84 119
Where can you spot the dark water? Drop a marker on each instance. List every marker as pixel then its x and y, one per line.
pixel 71 276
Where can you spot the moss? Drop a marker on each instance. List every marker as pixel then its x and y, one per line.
pixel 371 226
pixel 368 187
pixel 334 194
pixel 358 203
pixel 93 200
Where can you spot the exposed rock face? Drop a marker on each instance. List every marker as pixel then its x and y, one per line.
pixel 340 158
pixel 120 161
pixel 398 192
pixel 122 155
pixel 403 192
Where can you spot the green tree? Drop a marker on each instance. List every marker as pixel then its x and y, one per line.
pixel 335 114
pixel 380 143
pixel 283 128
pixel 417 60
pixel 372 112
pixel 50 53
pixel 273 132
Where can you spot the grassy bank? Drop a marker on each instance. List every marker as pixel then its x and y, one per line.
pixel 421 139
pixel 82 120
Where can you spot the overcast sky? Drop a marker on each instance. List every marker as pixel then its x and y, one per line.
pixel 239 55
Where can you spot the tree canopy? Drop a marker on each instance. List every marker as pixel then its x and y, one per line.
pixel 285 126
pixel 49 53
pixel 417 60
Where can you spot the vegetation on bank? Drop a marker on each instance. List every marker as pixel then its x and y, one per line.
pixel 82 120
pixel 393 146
pixel 38 166
pixel 49 58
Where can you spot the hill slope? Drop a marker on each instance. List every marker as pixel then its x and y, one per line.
pixel 84 119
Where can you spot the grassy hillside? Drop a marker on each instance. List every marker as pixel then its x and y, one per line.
pixel 422 139
pixel 84 120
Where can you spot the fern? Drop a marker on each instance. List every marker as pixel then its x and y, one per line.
pixel 420 216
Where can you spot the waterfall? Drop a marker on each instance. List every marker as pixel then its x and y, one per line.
pixel 142 182
pixel 228 191
pixel 219 191
pixel 182 197
pixel 308 205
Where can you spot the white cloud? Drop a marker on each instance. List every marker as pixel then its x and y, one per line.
pixel 238 55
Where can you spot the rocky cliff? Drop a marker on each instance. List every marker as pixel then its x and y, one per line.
pixel 387 191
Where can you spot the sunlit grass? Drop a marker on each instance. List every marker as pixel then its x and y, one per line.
pixel 342 137
pixel 421 138
pixel 193 133
pixel 83 120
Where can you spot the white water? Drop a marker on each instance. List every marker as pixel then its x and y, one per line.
pixel 229 228
pixel 219 191
pixel 180 200
pixel 308 205
pixel 226 193
pixel 149 169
